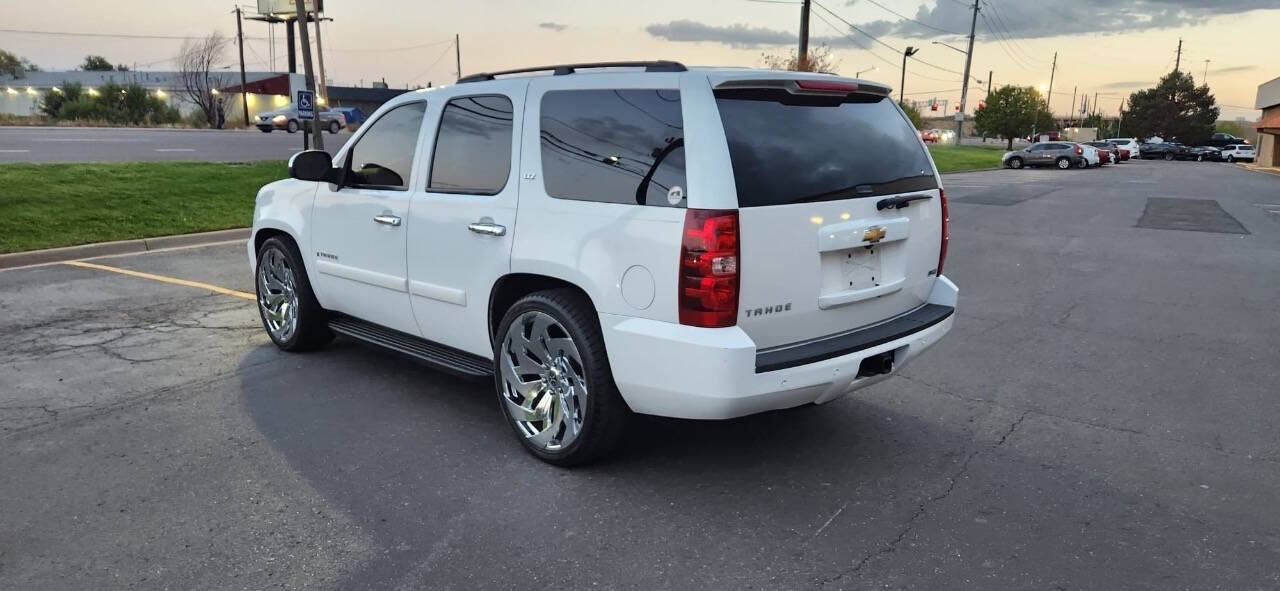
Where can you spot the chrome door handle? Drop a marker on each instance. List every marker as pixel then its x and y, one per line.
pixel 389 220
pixel 488 228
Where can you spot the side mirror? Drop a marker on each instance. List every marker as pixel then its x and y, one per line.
pixel 312 165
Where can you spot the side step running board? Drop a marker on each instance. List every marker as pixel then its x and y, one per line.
pixel 435 354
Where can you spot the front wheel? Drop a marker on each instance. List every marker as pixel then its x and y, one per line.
pixel 291 126
pixel 1083 164
pixel 1230 159
pixel 1015 163
pixel 293 318
pixel 1168 157
pixel 1064 163
pixel 553 379
pixel 1199 157
pixel 334 127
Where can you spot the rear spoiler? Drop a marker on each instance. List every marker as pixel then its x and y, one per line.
pixel 806 86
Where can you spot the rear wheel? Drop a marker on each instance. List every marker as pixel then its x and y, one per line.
pixel 1015 163
pixel 1064 163
pixel 1168 156
pixel 1199 157
pixel 553 379
pixel 1082 164
pixel 334 127
pixel 291 126
pixel 293 318
pixel 1230 158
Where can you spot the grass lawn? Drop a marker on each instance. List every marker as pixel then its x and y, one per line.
pixel 957 158
pixel 48 205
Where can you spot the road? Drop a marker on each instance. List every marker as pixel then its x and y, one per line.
pixel 91 144
pixel 1102 416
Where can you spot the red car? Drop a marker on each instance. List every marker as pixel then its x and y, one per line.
pixel 1117 154
pixel 929 137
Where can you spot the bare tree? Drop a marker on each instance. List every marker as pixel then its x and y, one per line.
pixel 818 60
pixel 195 72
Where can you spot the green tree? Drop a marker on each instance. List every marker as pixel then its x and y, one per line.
pixel 15 66
pixel 818 60
pixel 1231 127
pixel 1012 111
pixel 96 63
pixel 1176 109
pixel 914 115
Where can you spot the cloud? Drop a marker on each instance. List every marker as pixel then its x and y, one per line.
pixel 1022 20
pixel 1231 69
pixel 1128 84
pixel 738 36
pixel 557 27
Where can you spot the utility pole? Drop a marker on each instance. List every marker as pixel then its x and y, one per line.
pixel 1052 72
pixel 989 73
pixel 293 45
pixel 1205 80
pixel 1095 103
pixel 802 58
pixel 457 53
pixel 1178 64
pixel 902 86
pixel 968 62
pixel 323 88
pixel 244 92
pixel 311 80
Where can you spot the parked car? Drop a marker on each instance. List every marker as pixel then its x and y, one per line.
pixel 1106 151
pixel 1166 151
pixel 1120 151
pixel 1221 140
pixel 1236 152
pixel 541 231
pixel 1063 155
pixel 286 118
pixel 1128 143
pixel 1203 153
pixel 353 116
pixel 929 136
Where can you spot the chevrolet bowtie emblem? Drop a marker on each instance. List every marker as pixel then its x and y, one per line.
pixel 873 234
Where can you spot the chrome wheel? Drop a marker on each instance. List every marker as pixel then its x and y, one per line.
pixel 277 295
pixel 544 384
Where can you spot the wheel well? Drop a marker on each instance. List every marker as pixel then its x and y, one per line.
pixel 266 234
pixel 510 288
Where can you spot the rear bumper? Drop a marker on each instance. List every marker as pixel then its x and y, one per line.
pixel 701 373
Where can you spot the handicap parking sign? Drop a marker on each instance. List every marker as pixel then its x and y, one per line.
pixel 306 105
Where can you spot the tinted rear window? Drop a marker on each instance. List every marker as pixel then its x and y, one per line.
pixel 788 149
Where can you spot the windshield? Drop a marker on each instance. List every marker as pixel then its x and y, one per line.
pixel 789 149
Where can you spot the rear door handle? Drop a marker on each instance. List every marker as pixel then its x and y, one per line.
pixel 389 220
pixel 488 228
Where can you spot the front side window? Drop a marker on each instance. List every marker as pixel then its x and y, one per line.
pixel 383 156
pixel 473 147
pixel 615 146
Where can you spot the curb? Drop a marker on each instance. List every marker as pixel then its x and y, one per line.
pixel 971 170
pixel 71 253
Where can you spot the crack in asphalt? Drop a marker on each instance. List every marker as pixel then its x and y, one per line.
pixel 923 508
pixel 1101 426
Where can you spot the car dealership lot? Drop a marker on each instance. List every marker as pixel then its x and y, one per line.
pixel 1102 416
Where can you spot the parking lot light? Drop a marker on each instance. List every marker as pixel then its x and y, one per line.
pixel 31 91
pixel 92 91
pixel 159 93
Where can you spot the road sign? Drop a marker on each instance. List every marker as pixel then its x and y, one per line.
pixel 306 105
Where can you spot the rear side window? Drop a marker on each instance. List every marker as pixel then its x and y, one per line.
pixel 473 146
pixel 383 157
pixel 789 149
pixel 615 146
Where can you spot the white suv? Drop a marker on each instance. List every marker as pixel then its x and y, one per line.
pixel 620 237
pixel 1128 143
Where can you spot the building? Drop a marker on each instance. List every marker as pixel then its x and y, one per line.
pixel 1269 126
pixel 21 96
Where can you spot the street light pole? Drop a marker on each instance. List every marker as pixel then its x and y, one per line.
pixel 902 86
pixel 871 69
pixel 310 77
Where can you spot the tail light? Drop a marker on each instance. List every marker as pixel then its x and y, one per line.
pixel 709 274
pixel 1079 150
pixel 946 230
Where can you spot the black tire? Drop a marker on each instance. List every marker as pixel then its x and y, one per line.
pixel 292 126
pixel 1168 156
pixel 1199 157
pixel 1083 164
pixel 1015 163
pixel 606 413
pixel 1230 158
pixel 313 321
pixel 334 127
pixel 265 129
pixel 1063 163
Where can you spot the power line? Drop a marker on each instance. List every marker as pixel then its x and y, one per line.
pixel 110 35
pixel 873 53
pixel 877 40
pixel 1001 43
pixel 1008 32
pixel 433 62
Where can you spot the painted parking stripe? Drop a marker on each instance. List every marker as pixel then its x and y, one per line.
pixel 14 151
pixel 175 149
pixel 163 279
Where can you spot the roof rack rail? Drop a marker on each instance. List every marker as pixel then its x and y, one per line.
pixel 563 69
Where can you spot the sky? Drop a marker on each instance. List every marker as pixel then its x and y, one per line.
pixel 1107 47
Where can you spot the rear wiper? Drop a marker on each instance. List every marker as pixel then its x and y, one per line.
pixel 901 201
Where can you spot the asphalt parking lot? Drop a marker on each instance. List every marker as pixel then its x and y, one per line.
pixel 1102 416
pixel 90 144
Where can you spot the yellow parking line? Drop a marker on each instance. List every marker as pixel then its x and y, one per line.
pixel 174 280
